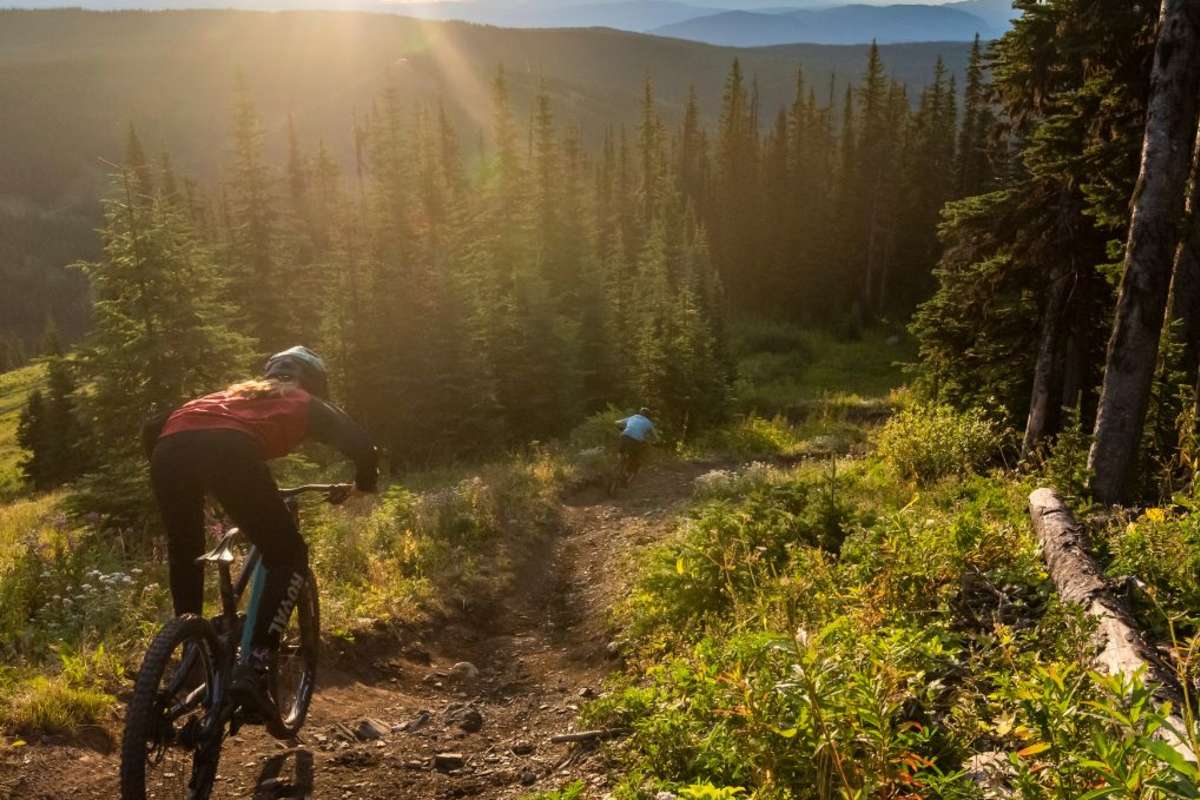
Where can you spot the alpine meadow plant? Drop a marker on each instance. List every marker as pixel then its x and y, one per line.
pixel 925 443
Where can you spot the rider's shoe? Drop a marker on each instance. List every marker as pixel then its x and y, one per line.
pixel 252 687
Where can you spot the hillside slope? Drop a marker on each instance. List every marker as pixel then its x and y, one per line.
pixel 72 81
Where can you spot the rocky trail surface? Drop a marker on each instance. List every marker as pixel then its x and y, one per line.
pixel 466 711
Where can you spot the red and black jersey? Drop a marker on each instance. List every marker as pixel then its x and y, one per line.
pixel 278 423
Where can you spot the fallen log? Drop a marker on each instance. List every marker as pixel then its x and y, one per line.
pixel 1121 649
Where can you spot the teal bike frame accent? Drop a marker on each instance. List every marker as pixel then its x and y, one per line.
pixel 257 582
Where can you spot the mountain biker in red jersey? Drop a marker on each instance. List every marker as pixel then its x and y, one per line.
pixel 219 444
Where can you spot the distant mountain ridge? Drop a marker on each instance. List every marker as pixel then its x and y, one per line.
pixel 739 23
pixel 852 24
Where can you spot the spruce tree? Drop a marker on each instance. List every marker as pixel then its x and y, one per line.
pixel 162 333
pixel 257 283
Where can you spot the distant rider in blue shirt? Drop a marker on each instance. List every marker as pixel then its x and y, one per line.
pixel 637 432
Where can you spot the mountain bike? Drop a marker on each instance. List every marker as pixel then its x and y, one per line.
pixel 182 706
pixel 624 468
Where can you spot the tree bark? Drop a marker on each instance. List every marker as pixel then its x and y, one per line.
pixel 1185 286
pixel 1120 648
pixel 1158 204
pixel 1045 402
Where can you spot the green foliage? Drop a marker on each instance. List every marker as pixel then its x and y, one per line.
pixel 161 335
pixel 812 633
pixel 440 548
pixel 925 443
pixel 49 430
pixel 15 388
pixel 1160 548
pixel 1065 466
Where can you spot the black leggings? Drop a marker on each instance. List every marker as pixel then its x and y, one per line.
pixel 226 464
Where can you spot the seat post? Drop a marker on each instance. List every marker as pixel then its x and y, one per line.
pixel 228 598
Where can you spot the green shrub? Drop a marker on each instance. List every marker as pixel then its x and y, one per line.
pixel 1161 549
pixel 928 442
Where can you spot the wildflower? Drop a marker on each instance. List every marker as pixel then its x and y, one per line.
pixel 1156 514
pixel 135 571
pixel 87 587
pixel 67 602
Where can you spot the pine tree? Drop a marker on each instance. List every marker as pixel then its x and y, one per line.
pixel 161 334
pixel 256 284
pixel 974 173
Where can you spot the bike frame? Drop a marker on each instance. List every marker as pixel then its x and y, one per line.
pixel 252 575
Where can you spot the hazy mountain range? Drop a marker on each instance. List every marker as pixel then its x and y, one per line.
pixel 844 25
pixel 741 23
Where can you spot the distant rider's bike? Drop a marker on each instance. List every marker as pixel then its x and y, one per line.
pixel 182 705
pixel 626 466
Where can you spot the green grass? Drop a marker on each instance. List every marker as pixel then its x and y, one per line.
pixel 15 387
pixel 783 369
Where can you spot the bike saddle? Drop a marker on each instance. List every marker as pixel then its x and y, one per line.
pixel 223 552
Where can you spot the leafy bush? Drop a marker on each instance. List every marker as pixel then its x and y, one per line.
pixel 928 442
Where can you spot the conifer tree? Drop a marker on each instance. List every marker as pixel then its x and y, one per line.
pixel 257 282
pixel 162 333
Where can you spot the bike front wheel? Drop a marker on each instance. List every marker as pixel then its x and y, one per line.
pixel 173 733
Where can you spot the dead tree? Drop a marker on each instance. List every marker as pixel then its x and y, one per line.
pixel 1049 392
pixel 1121 649
pixel 1158 204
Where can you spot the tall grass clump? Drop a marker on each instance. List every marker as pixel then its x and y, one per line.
pixel 435 550
pixel 927 442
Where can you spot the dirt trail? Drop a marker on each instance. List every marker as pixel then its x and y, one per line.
pixel 540 653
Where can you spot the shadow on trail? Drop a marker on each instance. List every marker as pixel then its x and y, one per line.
pixel 288 774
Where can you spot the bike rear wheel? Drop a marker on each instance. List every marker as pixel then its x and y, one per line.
pixel 172 739
pixel 294 670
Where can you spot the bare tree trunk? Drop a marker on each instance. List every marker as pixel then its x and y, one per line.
pixel 1185 286
pixel 1158 203
pixel 1045 402
pixel 1049 376
pixel 1120 648
pixel 1073 372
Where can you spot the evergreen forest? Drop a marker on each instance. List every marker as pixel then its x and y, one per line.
pixel 923 353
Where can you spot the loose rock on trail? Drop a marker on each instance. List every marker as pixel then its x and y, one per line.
pixel 468 711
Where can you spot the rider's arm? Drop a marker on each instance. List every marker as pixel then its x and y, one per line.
pixel 332 426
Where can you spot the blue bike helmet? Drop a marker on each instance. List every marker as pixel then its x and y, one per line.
pixel 301 365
